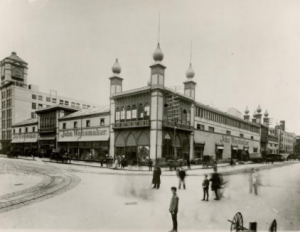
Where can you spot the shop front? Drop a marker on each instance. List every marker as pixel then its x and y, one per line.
pixel 47 145
pixel 25 144
pixel 90 144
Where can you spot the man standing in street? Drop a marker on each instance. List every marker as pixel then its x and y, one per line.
pixel 253 181
pixel 156 177
pixel 205 185
pixel 215 183
pixel 174 209
pixel 181 176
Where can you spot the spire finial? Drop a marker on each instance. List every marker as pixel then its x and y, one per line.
pixel 191 51
pixel 158 26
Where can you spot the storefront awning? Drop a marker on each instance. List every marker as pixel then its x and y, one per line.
pixel 47 138
pixel 17 141
pixel 68 139
pixel 220 147
pixel 93 138
pixel 30 140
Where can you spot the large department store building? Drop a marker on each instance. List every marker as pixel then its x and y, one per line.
pixel 153 121
pixel 20 100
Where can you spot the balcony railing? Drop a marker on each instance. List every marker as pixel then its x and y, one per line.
pixel 129 124
pixel 178 125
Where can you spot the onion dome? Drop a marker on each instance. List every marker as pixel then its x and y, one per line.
pixel 247 110
pixel 158 54
pixel 190 72
pixel 116 68
pixel 258 109
pixel 266 114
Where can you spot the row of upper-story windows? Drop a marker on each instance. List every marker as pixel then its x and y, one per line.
pixel 87 123
pixel 61 102
pixel 6 93
pixel 48 121
pixel 141 112
pixel 212 129
pixel 213 116
pixel 7 113
pixel 7 103
pixel 25 130
pixel 6 123
pixel 6 134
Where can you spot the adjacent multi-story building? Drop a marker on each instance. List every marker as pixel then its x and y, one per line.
pixel 20 100
pixel 273 145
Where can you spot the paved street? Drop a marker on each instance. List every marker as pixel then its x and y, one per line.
pixel 102 201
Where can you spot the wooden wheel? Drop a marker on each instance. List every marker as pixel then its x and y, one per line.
pixel 273 226
pixel 237 223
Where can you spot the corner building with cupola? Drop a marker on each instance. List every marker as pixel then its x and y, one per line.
pixel 157 122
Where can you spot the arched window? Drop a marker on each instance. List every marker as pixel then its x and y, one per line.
pixel 128 113
pixel 141 112
pixel 184 116
pixel 122 114
pixel 133 112
pixel 117 115
pixel 147 111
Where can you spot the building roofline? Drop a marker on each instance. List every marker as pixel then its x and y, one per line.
pixel 30 121
pixel 57 107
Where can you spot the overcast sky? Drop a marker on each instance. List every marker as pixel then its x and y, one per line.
pixel 245 52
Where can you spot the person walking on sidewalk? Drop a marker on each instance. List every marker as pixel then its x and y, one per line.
pixel 156 177
pixel 215 183
pixel 205 186
pixel 174 208
pixel 150 164
pixel 181 175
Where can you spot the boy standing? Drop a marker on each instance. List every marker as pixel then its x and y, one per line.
pixel 174 209
pixel 205 185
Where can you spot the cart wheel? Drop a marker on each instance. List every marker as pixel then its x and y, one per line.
pixel 273 226
pixel 237 223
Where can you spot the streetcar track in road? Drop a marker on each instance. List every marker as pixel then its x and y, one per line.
pixel 50 186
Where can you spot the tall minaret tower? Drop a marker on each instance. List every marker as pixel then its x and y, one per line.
pixel 116 80
pixel 157 82
pixel 258 115
pixel 266 119
pixel 247 116
pixel 190 84
pixel 115 87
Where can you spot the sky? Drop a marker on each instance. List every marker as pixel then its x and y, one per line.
pixel 244 53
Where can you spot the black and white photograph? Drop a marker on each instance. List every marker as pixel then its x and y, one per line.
pixel 150 115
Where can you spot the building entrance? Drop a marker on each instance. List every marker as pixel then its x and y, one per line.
pixel 131 154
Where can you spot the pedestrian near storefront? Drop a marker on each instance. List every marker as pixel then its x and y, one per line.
pixel 174 205
pixel 181 175
pixel 156 177
pixel 150 164
pixel 215 183
pixel 188 163
pixel 205 186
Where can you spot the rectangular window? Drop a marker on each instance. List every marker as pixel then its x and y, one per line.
pixel 84 106
pixel 14 131
pixel 242 135
pixel 73 104
pixel 228 132
pixel 26 129
pixel 33 129
pixel 40 106
pixel 128 114
pixel 34 96
pixel 32 115
pixel 61 102
pixel 7 103
pixel 48 99
pixel 75 124
pixel 133 115
pixel 40 98
pixel 66 103
pixel 64 125
pixel 33 106
pixel 78 105
pixel 3 114
pixel 88 123
pixel 3 94
pixel 200 127
pixel 88 106
pixel 20 130
pixel 3 104
pixel 53 100
pixel 211 129
pixel 101 121
pixel 118 116
pixel 252 137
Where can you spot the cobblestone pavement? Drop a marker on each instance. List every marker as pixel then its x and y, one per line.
pixel 54 181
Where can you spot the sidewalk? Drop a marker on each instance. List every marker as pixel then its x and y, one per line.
pixel 196 170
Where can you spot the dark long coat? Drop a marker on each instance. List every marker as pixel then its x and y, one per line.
pixel 215 181
pixel 156 175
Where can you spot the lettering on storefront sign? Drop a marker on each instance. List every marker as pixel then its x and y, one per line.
pixel 79 133
pixel 24 136
pixel 233 140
